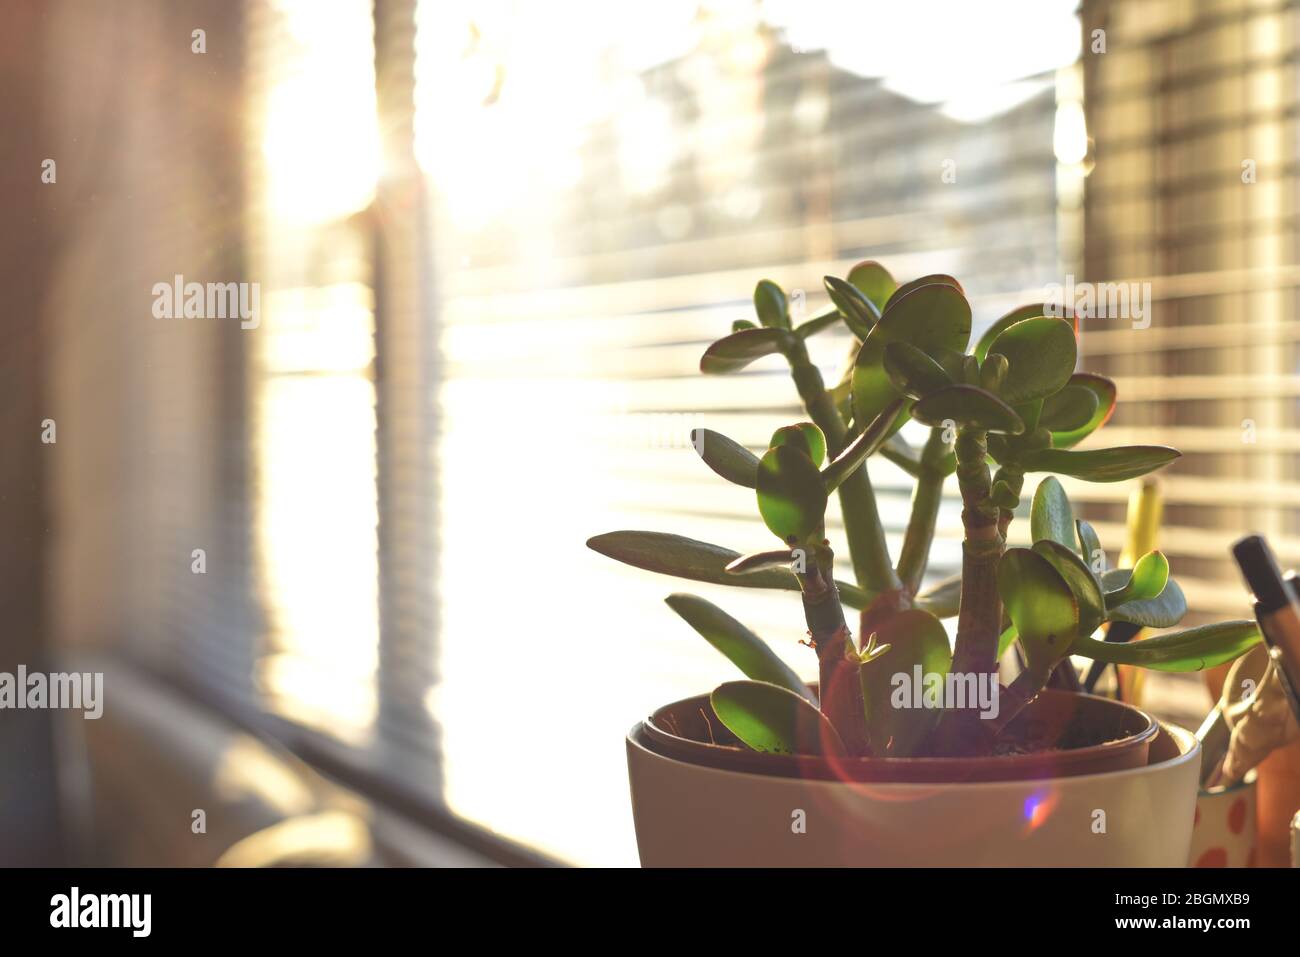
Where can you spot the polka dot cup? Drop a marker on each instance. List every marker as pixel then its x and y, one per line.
pixel 1224 834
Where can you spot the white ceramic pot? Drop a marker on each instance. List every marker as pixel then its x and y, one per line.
pixel 689 815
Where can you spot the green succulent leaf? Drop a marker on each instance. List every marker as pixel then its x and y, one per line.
pixel 761 561
pixel 1113 580
pixel 732 353
pixel 859 313
pixel 742 647
pixel 1031 413
pixel 916 639
pixel 803 436
pixel 791 497
pixel 1041 354
pixel 912 372
pixel 848 461
pixel 769 718
pixel 1106 393
pixel 699 561
pixel 1163 611
pixel 1082 583
pixel 1100 465
pixel 1019 314
pixel 730 459
pixel 931 318
pixel 1003 495
pixel 1192 649
pixel 943 599
pixel 1146 580
pixel 934 279
pixel 818 323
pixel 873 281
pixel 740 325
pixel 1009 635
pixel 1050 516
pixel 969 406
pixel 771 305
pixel 1070 409
pixel 1040 605
pixel 1090 548
pixel 993 372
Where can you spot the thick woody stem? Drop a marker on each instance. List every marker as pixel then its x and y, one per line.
pixel 979 620
pixel 838 663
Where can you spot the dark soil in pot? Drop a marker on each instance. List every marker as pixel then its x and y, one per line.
pixel 1061 734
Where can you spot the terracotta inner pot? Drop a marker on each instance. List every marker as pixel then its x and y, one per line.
pixel 1061 734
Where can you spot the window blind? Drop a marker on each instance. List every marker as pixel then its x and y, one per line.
pixel 1193 108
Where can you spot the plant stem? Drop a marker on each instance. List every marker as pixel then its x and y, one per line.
pixel 1015 696
pixel 838 667
pixel 925 512
pixel 868 551
pixel 979 619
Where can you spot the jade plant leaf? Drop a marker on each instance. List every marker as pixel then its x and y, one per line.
pixel 1030 413
pixel 773 719
pixel 934 279
pixel 1146 580
pixel 791 497
pixel 699 561
pixel 912 372
pixel 943 599
pixel 1050 516
pixel 860 314
pixel 873 281
pixel 742 647
pixel 1090 548
pixel 1100 465
pixel 1068 410
pixel 730 459
pixel 1019 314
pixel 1041 606
pixel 970 406
pixel 1082 583
pixel 993 372
pixel 931 318
pixel 760 561
pixel 1041 353
pixel 916 639
pixel 803 436
pixel 1009 635
pixel 771 305
pixel 1106 393
pixel 1192 649
pixel 816 324
pixel 732 353
pixel 1163 611
pixel 866 444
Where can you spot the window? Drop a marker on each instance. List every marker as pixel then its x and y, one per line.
pixel 608 186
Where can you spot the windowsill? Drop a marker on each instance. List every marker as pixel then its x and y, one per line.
pixel 157 733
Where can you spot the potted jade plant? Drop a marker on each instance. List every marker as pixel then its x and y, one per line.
pixel 911 748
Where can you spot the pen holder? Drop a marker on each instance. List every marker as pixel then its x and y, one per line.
pixel 1225 829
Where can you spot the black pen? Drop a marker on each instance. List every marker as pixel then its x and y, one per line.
pixel 1277 610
